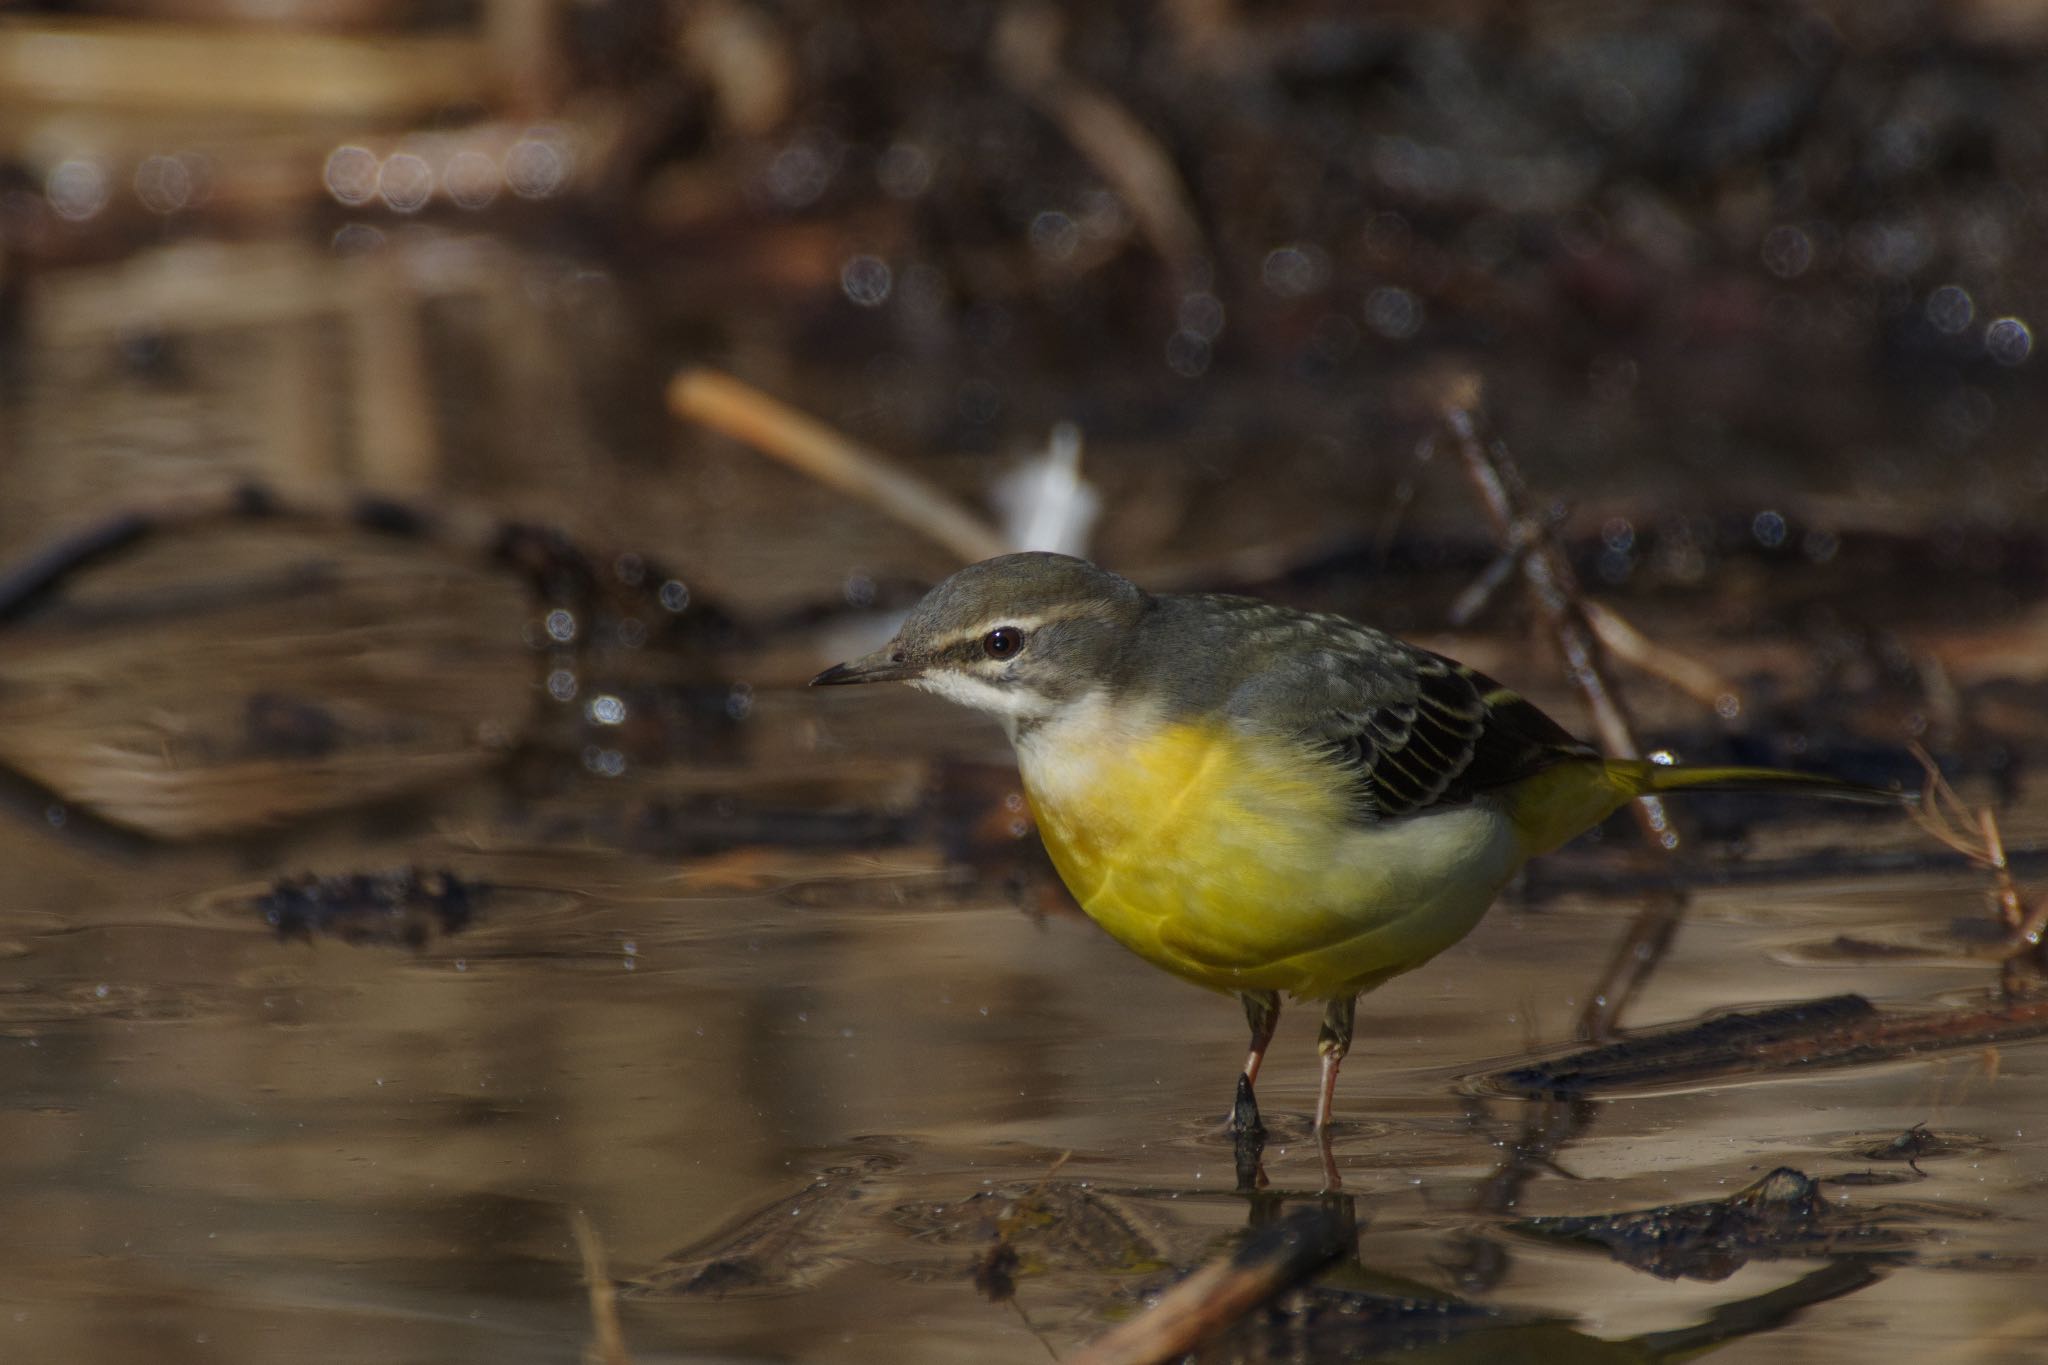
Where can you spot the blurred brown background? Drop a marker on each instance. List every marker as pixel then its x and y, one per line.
pixel 1708 258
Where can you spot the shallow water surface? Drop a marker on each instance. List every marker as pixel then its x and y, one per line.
pixel 800 1088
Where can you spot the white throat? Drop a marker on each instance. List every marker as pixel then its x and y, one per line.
pixel 1009 705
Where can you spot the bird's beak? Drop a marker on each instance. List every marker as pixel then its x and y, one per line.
pixel 884 665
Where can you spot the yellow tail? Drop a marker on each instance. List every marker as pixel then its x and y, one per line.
pixel 1567 799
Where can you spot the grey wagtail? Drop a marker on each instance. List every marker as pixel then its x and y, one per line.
pixel 1260 799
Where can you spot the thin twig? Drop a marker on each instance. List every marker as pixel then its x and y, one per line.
pixel 1121 149
pixel 1465 608
pixel 1554 592
pixel 1620 638
pixel 1215 1297
pixel 745 413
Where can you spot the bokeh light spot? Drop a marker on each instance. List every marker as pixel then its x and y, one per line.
pixel 905 171
pixel 351 175
pixel 405 182
pixel 1188 354
pixel 1297 270
pixel 2008 341
pixel 1787 251
pixel 537 166
pixel 1054 235
pixel 164 184
pixel 77 189
pixel 473 179
pixel 1393 312
pixel 866 280
pixel 1950 309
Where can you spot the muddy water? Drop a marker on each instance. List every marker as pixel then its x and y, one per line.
pixel 795 1089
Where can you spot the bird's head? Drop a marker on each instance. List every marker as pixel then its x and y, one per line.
pixel 1019 636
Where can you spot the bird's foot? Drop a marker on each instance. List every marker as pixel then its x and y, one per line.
pixel 1244 1112
pixel 1248 1138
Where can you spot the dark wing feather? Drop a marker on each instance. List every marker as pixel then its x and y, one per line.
pixel 1410 729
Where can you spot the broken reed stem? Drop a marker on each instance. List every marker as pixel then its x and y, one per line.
pixel 608 1343
pixel 743 412
pixel 1554 592
pixel 1974 833
pixel 1216 1296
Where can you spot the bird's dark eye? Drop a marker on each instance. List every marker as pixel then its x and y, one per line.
pixel 1002 642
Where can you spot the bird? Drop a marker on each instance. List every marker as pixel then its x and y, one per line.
pixel 1263 800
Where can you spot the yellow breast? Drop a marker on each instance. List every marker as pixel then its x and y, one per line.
pixel 1235 859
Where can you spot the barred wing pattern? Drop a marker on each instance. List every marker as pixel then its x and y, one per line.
pixel 1412 728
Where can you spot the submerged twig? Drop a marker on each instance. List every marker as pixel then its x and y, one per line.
pixel 1842 1030
pixel 1216 1296
pixel 1555 593
pixel 746 414
pixel 995 1270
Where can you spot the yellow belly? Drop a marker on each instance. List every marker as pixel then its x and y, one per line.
pixel 1235 861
